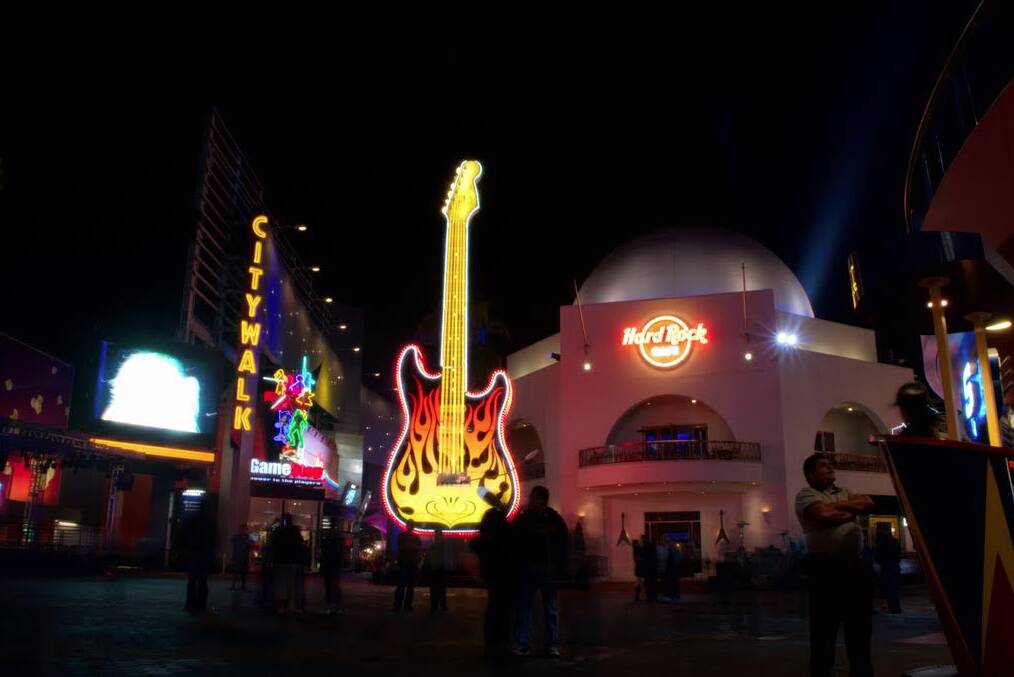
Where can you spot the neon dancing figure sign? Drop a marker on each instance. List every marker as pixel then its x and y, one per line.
pixel 291 400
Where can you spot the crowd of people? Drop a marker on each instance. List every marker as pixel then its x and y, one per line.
pixel 524 557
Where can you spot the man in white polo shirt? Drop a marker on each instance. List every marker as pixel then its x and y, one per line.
pixel 841 585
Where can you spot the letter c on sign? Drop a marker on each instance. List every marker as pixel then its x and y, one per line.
pixel 259 221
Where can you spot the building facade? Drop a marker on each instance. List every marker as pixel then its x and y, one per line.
pixel 674 403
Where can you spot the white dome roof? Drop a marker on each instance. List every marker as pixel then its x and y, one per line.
pixel 675 262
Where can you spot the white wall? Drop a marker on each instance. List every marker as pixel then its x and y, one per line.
pixel 830 338
pixel 537 402
pixel 665 410
pixel 534 357
pixel 811 385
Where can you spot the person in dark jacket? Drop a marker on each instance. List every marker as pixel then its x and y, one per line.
pixel 437 565
pixel 199 537
pixel 638 552
pixel 887 553
pixel 332 556
pixel 494 548
pixel 542 543
pixel 409 549
pixel 920 419
pixel 286 547
pixel 240 557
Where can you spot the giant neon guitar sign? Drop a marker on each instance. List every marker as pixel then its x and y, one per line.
pixel 453 442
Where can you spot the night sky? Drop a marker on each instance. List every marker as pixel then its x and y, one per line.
pixel 792 126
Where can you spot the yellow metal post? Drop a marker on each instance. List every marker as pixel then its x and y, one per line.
pixel 978 321
pixel 937 303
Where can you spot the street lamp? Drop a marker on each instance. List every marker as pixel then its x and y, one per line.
pixel 314 269
pixel 328 299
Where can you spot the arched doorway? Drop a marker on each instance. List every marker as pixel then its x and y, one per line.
pixel 526 446
pixel 844 432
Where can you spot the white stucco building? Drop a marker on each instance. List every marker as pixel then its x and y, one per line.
pixel 667 397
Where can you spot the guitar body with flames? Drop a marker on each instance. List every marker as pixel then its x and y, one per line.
pixel 413 486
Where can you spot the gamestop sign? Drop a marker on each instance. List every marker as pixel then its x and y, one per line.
pixel 285 473
pixel 665 341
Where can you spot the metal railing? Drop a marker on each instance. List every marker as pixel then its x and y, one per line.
pixel 976 71
pixel 49 535
pixel 670 450
pixel 860 462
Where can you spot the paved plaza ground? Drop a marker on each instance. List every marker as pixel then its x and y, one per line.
pixel 136 626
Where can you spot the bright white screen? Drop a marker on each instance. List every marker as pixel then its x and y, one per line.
pixel 152 390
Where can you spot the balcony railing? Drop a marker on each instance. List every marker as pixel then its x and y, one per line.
pixel 670 450
pixel 975 73
pixel 859 462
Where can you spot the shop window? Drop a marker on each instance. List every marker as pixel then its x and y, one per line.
pixel 824 441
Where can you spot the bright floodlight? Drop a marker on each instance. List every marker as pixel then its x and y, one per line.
pixel 151 390
pixel 786 339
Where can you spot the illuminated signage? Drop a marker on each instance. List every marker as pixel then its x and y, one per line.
pixel 285 472
pixel 973 402
pixel 452 443
pixel 250 332
pixel 292 399
pixel 665 341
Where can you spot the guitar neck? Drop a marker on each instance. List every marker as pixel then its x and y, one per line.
pixel 454 348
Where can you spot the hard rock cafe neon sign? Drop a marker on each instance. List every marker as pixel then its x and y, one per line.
pixel 665 341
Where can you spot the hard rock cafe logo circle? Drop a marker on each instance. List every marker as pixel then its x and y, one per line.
pixel 665 341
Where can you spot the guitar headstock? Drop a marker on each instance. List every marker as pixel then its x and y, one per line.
pixel 463 197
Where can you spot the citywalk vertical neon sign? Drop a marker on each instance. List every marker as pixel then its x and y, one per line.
pixel 250 332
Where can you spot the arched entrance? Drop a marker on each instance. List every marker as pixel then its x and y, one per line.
pixel 844 433
pixel 526 446
pixel 666 418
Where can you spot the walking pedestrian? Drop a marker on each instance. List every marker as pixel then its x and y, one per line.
pixel 841 588
pixel 494 547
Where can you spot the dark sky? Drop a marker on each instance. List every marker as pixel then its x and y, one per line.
pixel 791 126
